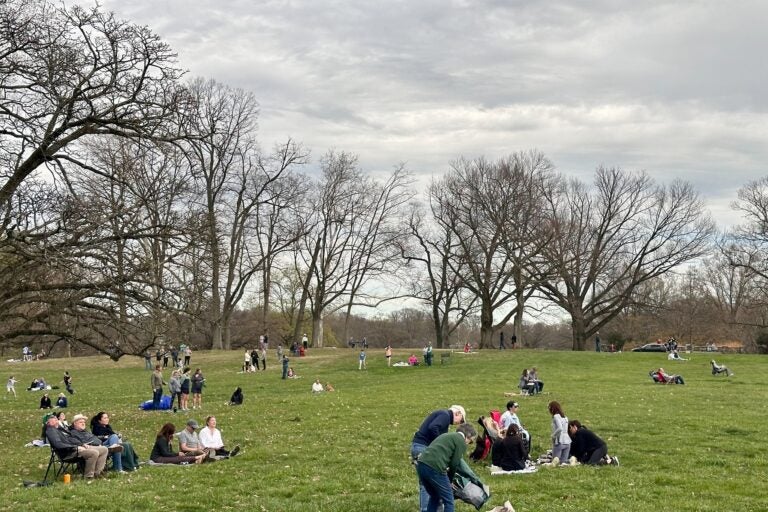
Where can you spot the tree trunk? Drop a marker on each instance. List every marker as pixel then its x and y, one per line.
pixel 317 330
pixel 579 330
pixel 486 326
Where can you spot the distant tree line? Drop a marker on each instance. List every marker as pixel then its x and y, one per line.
pixel 138 208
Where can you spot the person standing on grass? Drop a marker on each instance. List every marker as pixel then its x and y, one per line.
pixel 361 361
pixel 263 358
pixel 198 381
pixel 174 388
pixel 157 382
pixel 388 354
pixel 597 342
pixel 431 428
pixel 187 355
pixel 68 383
pixel 186 385
pixel 10 387
pixel 501 341
pixel 438 463
pixel 561 441
pixel 285 367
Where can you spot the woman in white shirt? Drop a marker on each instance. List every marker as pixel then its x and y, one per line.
pixel 210 439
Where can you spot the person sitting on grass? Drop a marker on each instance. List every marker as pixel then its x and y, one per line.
pixel 413 360
pixel 162 451
pixel 210 439
pixel 125 459
pixel 237 397
pixel 668 378
pixel 189 442
pixel 587 447
pixel 61 401
pixel 45 402
pixel 69 448
pixel 509 451
pixel 675 356
pixel 718 369
pixel 317 386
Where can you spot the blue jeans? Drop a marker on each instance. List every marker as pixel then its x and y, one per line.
pixel 416 449
pixel 438 487
pixel 157 394
pixel 117 458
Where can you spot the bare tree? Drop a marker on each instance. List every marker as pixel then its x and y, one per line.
pixel 608 242
pixel 493 211
pixel 438 279
pixel 351 239
pixel 70 74
pixel 237 183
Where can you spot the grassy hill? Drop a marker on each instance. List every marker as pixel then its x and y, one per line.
pixel 695 447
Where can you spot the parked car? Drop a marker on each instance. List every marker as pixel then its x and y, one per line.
pixel 651 347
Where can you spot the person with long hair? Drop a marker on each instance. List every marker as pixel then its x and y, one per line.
pixel 561 441
pixel 509 452
pixel 163 453
pixel 197 389
pixel 125 460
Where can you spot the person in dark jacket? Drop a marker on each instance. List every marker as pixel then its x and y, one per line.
pixel 45 402
pixel 585 445
pixel 509 452
pixel 237 397
pixel 163 453
pixel 69 447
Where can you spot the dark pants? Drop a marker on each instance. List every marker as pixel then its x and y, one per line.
pixel 177 397
pixel 157 394
pixel 597 456
pixel 438 487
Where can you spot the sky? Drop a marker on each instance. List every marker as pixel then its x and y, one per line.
pixel 675 89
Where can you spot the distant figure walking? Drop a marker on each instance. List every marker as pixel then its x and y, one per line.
pixel 501 341
pixel 597 342
pixel 10 387
pixel 361 361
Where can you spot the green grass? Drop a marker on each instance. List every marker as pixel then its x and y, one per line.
pixel 695 447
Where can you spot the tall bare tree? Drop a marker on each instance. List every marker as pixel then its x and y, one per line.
pixel 492 208
pixel 608 241
pixel 438 278
pixel 236 183
pixel 349 240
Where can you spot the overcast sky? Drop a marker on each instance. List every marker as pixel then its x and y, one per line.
pixel 677 89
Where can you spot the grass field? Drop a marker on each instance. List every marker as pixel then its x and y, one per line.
pixel 697 447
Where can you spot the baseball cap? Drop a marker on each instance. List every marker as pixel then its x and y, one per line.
pixel 193 424
pixel 460 410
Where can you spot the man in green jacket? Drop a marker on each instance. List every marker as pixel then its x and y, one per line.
pixel 437 465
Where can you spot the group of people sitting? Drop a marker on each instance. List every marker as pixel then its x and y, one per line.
pixel 570 441
pixel 72 442
pixel 194 448
pixel 529 382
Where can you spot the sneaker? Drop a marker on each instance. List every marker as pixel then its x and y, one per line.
pixel 615 461
pixel 235 451
pixel 555 461
pixel 115 448
pixel 573 461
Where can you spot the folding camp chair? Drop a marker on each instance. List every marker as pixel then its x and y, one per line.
pixel 58 466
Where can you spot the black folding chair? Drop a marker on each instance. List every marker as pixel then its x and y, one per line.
pixel 58 466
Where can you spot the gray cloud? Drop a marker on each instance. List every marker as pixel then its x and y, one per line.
pixel 675 89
